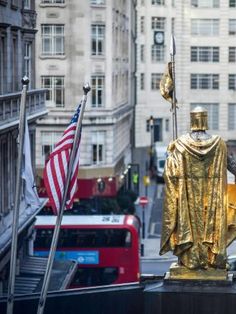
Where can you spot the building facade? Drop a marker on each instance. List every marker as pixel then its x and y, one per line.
pixel 17 42
pixel 205 64
pixel 78 42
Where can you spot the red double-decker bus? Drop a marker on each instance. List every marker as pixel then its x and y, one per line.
pixel 106 248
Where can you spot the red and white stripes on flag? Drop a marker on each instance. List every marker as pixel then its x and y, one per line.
pixel 55 172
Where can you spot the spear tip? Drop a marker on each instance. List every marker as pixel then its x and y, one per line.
pixel 172 45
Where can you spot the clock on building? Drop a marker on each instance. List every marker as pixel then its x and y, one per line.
pixel 158 38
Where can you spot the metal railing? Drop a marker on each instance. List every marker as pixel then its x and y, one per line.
pixel 10 104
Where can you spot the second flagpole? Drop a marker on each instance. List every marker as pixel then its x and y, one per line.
pixel 173 102
pixel 43 295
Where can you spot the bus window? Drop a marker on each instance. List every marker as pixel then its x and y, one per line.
pixel 84 238
pixel 43 238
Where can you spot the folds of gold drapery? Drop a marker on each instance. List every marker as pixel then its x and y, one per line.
pixel 195 207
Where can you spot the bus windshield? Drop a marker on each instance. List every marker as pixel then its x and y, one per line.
pixel 84 238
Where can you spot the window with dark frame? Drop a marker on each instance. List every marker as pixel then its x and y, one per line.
pixel 232 116
pixel 55 95
pixel 232 54
pixel 155 81
pixel 97 39
pixel 204 81
pixel 97 91
pixel 232 81
pixel 53 39
pixel 205 54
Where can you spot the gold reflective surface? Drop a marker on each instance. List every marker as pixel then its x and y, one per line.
pixel 166 84
pixel 197 224
pixel 198 119
pixel 180 272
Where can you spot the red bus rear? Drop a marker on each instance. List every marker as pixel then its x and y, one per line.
pixel 106 248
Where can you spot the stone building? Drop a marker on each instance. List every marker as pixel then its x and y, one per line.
pixel 17 47
pixel 87 41
pixel 205 66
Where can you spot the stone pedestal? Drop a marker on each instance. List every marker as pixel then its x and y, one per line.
pixel 191 297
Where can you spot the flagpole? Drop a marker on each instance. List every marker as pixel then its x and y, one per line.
pixel 16 210
pixel 43 295
pixel 173 101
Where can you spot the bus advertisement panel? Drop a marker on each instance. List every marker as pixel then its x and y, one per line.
pixel 106 248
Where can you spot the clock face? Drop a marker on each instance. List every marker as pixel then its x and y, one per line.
pixel 159 37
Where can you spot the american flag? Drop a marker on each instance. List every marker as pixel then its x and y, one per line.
pixel 56 169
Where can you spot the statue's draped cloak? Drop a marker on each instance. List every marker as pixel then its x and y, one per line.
pixel 195 208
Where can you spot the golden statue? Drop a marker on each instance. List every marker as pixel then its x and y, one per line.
pixel 196 225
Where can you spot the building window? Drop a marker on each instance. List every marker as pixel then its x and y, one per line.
pixel 232 27
pixel 155 80
pixel 97 86
pixel 232 81
pixel 48 141
pixel 232 116
pixel 55 96
pixel 27 4
pixel 97 1
pixel 98 40
pixel 205 27
pixel 204 81
pixel 4 167
pixel 167 124
pixel 142 53
pixel 53 1
pixel 98 147
pixel 205 3
pixel 158 23
pixel 142 81
pixel 158 2
pixel 142 24
pixel 205 54
pixel 28 60
pixel 3 63
pixel 213 113
pixel 52 39
pixel 14 3
pixel 232 54
pixel 158 53
pixel 14 60
pixel 232 3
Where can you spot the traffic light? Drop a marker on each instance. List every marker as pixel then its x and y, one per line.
pixel 135 178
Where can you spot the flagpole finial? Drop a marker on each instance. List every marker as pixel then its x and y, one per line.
pixel 172 45
pixel 25 80
pixel 86 88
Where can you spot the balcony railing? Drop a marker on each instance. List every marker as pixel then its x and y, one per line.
pixel 10 105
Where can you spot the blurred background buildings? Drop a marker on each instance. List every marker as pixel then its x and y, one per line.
pixel 205 66
pixel 87 41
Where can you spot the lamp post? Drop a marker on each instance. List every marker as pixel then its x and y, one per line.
pixel 151 126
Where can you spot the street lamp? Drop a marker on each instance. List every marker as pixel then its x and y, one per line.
pixel 151 125
pixel 151 164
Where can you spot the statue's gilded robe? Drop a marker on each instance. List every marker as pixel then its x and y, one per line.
pixel 195 208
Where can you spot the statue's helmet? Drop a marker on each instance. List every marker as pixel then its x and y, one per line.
pixel 198 119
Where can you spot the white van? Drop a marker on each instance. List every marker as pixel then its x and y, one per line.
pixel 161 155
